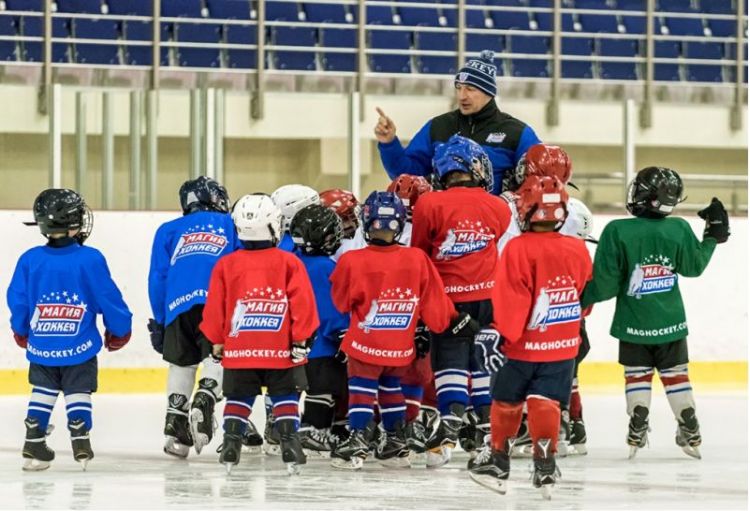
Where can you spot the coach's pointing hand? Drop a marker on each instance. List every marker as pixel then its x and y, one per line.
pixel 385 130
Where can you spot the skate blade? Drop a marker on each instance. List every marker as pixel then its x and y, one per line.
pixel 272 449
pixel 175 448
pixel 522 451
pixel 396 462
pixel 355 463
pixel 200 440
pixel 34 465
pixel 228 467
pixel 693 452
pixel 562 450
pixel 418 458
pixel 438 457
pixel 252 449
pixel 546 491
pixel 312 453
pixel 84 463
pixel 577 450
pixel 492 483
pixel 293 469
pixel 633 452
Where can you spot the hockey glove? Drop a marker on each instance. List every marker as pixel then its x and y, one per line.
pixel 717 221
pixel 464 326
pixel 113 342
pixel 21 340
pixel 300 350
pixel 340 356
pixel 156 330
pixel 487 350
pixel 422 340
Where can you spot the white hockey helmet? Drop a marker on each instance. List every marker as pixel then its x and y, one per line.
pixel 580 221
pixel 293 198
pixel 257 218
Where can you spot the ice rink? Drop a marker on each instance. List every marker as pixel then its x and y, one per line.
pixel 130 471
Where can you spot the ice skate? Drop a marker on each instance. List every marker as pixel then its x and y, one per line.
pixel 415 437
pixel 291 448
pixel 252 442
pixel 491 468
pixel 36 454
pixel 177 440
pixel 545 472
pixel 468 432
pixel 231 447
pixel 79 438
pixel 638 430
pixel 202 421
pixel 440 446
pixel 564 435
pixel 272 442
pixel 317 442
pixel 352 453
pixel 577 437
pixel 688 435
pixel 392 450
pixel 522 448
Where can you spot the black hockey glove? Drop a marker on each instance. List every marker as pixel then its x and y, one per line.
pixel 300 350
pixel 422 340
pixel 340 356
pixel 157 335
pixel 464 327
pixel 487 350
pixel 717 221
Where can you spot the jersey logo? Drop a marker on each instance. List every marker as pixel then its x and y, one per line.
pixel 468 237
pixel 200 240
pixel 261 310
pixel 556 304
pixel 58 314
pixel 653 275
pixel 496 138
pixel 393 310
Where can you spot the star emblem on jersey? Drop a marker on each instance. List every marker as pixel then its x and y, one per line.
pixel 393 310
pixel 654 274
pixel 57 314
pixel 199 240
pixel 558 302
pixel 259 310
pixel 465 238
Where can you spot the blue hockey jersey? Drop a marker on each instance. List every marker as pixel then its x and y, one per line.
pixel 319 269
pixel 286 243
pixel 54 297
pixel 184 253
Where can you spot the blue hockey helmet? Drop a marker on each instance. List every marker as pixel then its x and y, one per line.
pixel 460 154
pixel 383 211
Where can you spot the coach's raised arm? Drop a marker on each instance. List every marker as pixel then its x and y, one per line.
pixel 504 138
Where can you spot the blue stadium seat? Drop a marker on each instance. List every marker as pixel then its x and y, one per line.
pixel 540 3
pixel 577 68
pixel 708 72
pixel 598 23
pixel 532 68
pixel 24 5
pixel 684 26
pixel 544 21
pixel 297 60
pixel 508 20
pixel 635 24
pixel 591 4
pixel 618 48
pixel 142 31
pixel 131 7
pixel 384 39
pixel 666 72
pixel 631 5
pixel 8 49
pixel 198 33
pixel 32 27
pixel 96 53
pixel 83 6
pixel 438 42
pixel 718 7
pixel 229 9
pixel 181 8
pixel 325 13
pixel 479 42
pixel 379 15
pixel 419 16
pixel 241 59
pixel 675 6
pixel 723 28
pixel 282 11
pixel 475 18
pixel 339 38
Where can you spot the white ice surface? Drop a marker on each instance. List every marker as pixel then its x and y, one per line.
pixel 130 471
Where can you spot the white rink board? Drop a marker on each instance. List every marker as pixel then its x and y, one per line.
pixel 716 302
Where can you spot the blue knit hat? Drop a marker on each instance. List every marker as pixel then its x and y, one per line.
pixel 481 73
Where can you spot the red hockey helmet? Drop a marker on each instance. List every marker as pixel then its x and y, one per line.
pixel 346 206
pixel 542 199
pixel 541 160
pixel 409 188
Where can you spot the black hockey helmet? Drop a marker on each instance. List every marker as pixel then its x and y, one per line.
pixel 59 210
pixel 316 230
pixel 203 194
pixel 655 190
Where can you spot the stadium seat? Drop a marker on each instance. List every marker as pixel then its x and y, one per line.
pixel 723 28
pixel 325 13
pixel 507 20
pixel 379 15
pixel 544 21
pixel 631 5
pixel 475 18
pixel 131 7
pixel 718 7
pixel 24 5
pixel 635 24
pixel 181 8
pixel 339 38
pixel 419 16
pixel 198 33
pixel 479 42
pixel 296 60
pixel 666 72
pixel 591 4
pixel 533 68
pixel 282 11
pixel 438 42
pixel 708 72
pixel 8 50
pixel 598 23
pixel 238 58
pixel 383 39
pixel 142 31
pixel 684 26
pixel 229 9
pixel 32 27
pixel 675 6
pixel 577 68
pixel 96 53
pixel 618 48
pixel 82 6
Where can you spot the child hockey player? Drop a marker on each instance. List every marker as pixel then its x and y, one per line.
pixel 458 229
pixel 261 316
pixel 184 252
pixel 638 261
pixel 290 199
pixel 316 231
pixel 538 315
pixel 388 289
pixel 55 294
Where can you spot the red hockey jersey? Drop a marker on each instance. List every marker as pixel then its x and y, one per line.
pixel 387 290
pixel 259 301
pixel 537 301
pixel 459 229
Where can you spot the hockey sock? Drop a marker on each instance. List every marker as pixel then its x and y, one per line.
pixel 638 387
pixel 391 401
pixel 677 387
pixel 505 419
pixel 238 407
pixel 413 397
pixel 318 410
pixel 78 406
pixel 362 392
pixel 429 397
pixel 180 383
pixel 41 404
pixel 286 408
pixel 576 409
pixel 452 387
pixel 211 369
pixel 480 389
pixel 544 419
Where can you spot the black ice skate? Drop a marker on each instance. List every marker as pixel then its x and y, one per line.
pixel 441 445
pixel 272 445
pixel 392 450
pixel 638 430
pixel 415 437
pixel 231 447
pixel 545 472
pixel 467 434
pixel 202 422
pixel 563 437
pixel 522 447
pixel 577 437
pixel 252 442
pixel 352 453
pixel 481 429
pixel 79 438
pixel 317 442
pixel 291 447
pixel 491 468
pixel 178 440
pixel 688 433
pixel 37 455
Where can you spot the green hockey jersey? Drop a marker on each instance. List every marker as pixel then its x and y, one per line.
pixel 638 261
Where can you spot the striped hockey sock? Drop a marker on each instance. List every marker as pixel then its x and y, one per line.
pixel 452 387
pixel 677 387
pixel 318 410
pixel 362 393
pixel 238 407
pixel 78 407
pixel 391 402
pixel 41 404
pixel 480 389
pixel 286 408
pixel 638 387
pixel 413 397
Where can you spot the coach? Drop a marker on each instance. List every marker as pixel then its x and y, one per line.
pixel 504 137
